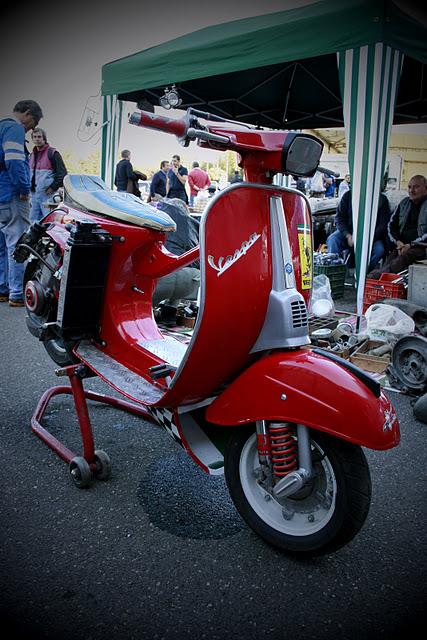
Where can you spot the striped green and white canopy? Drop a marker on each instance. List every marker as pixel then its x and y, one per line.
pixel 369 78
pixel 263 64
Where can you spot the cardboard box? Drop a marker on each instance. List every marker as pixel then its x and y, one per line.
pixel 367 362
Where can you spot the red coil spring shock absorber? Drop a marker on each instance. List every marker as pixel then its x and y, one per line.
pixel 283 448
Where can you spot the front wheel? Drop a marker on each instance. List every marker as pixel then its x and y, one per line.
pixel 323 516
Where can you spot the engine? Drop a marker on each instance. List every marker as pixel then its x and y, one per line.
pixel 64 290
pixel 41 287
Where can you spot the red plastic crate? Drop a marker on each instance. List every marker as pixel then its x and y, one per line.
pixel 385 287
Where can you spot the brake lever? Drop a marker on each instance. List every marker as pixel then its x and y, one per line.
pixel 207 135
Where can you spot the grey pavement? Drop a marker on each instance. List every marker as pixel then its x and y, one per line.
pixel 159 551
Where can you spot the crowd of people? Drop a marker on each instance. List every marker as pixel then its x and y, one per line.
pixel 168 190
pixel 399 236
pixel 29 180
pixel 323 185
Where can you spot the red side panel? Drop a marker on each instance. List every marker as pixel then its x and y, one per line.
pixel 237 280
pixel 306 388
pixel 236 274
pixel 127 316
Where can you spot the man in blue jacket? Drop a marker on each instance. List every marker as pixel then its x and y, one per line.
pixel 14 195
pixel 342 238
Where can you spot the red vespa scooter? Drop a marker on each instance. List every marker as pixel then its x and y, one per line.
pixel 248 395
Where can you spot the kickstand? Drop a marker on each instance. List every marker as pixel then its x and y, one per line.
pixel 92 463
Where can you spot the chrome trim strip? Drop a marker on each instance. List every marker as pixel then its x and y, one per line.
pixel 282 254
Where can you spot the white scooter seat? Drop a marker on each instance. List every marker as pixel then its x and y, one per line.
pixel 91 193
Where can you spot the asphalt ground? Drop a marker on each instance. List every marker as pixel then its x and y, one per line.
pixel 159 550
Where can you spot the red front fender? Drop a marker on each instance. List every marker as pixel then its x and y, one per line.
pixel 308 388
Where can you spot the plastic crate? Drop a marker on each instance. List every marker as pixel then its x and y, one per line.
pixel 336 274
pixel 385 287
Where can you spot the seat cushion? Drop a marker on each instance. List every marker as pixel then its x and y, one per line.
pixel 91 193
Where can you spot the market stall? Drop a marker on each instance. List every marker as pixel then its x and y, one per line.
pixel 293 69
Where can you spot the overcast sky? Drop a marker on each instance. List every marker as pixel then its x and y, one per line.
pixel 54 54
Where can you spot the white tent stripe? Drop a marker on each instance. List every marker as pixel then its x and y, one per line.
pixel 112 109
pixel 372 181
pixel 380 151
pixel 357 121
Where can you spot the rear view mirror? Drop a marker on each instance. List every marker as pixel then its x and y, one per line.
pixel 301 154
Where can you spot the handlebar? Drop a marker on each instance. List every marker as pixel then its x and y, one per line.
pixel 160 123
pixel 185 129
pixel 263 153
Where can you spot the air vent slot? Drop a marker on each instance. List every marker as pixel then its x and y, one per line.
pixel 299 314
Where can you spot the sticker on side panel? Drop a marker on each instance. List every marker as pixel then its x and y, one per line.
pixel 306 253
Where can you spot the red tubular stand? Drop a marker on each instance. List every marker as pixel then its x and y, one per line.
pixel 76 374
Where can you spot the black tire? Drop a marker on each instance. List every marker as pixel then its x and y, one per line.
pixel 103 465
pixel 60 351
pixel 323 517
pixel 80 472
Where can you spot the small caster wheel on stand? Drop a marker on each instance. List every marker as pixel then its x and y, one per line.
pixel 80 472
pixel 103 465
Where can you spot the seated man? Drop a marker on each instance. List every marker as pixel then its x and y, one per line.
pixel 342 238
pixel 182 283
pixel 407 228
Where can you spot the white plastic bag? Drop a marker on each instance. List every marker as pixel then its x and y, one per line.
pixel 387 322
pixel 322 304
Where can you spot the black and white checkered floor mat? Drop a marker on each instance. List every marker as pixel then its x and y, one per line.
pixel 165 418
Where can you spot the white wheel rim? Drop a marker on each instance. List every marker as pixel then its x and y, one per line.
pixel 302 517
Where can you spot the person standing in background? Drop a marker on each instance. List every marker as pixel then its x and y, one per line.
pixel 14 195
pixel 176 180
pixel 198 180
pixel 344 186
pixel 47 173
pixel 236 178
pixel 126 179
pixel 158 182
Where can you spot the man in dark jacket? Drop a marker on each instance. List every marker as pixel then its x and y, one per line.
pixel 236 178
pixel 176 180
pixel 126 178
pixel 407 229
pixel 158 181
pixel 342 238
